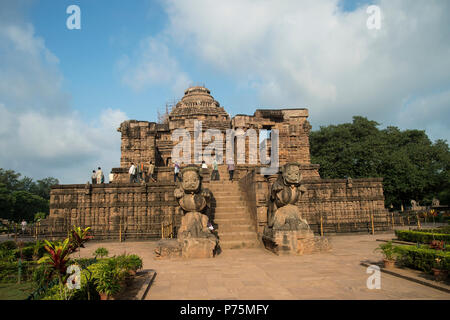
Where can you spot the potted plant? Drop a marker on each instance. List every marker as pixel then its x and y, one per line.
pixel 108 280
pixel 389 253
pixel 439 273
pixel 134 264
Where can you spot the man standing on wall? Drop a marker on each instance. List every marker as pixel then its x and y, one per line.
pixel 94 177
pixel 176 172
pixel 132 173
pixel 100 176
pixel 141 172
pixel 215 172
pixel 151 170
pixel 231 169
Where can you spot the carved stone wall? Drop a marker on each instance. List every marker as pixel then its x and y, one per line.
pixel 136 211
pixel 343 207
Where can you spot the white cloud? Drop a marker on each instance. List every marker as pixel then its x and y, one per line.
pixel 153 66
pixel 311 54
pixel 40 134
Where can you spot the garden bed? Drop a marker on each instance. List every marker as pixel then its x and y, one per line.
pixel 422 236
pixel 49 270
pixel 423 258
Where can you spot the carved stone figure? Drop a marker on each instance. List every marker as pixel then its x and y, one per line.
pixel 190 195
pixel 435 202
pixel 195 240
pixel 193 200
pixel 284 194
pixel 287 232
pixel 349 182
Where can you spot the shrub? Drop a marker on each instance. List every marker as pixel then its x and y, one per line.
pixel 101 252
pixel 129 262
pixel 108 277
pixel 9 271
pixel 8 245
pixel 42 275
pixel 445 230
pixel 423 258
pixel 388 250
pixel 420 236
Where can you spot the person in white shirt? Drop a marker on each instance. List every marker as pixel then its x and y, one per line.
pixel 100 176
pixel 24 226
pixel 176 172
pixel 204 165
pixel 132 173
pixel 215 172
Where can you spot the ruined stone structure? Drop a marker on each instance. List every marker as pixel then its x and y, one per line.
pixel 195 239
pixel 240 208
pixel 286 231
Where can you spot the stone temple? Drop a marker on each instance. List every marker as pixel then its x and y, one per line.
pixel 239 209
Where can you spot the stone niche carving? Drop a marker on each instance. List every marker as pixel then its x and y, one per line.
pixel 194 239
pixel 287 232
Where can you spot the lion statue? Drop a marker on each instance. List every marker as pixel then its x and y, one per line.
pixel 284 194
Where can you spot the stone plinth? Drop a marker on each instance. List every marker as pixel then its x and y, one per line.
pixel 188 248
pixel 168 248
pixel 199 247
pixel 294 242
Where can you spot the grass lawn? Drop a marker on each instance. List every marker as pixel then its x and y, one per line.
pixel 14 291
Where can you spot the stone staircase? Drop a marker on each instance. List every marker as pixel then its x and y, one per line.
pixel 231 218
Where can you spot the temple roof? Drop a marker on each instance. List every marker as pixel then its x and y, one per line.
pixel 197 101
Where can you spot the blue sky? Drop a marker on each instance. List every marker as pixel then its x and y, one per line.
pixel 65 91
pixel 111 29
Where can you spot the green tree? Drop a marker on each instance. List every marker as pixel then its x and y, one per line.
pixel 26 205
pixel 42 187
pixel 6 202
pixel 412 166
pixel 10 179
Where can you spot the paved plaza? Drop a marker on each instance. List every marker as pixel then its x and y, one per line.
pixel 256 274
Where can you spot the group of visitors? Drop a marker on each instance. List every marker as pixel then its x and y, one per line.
pixel 141 173
pixel 98 177
pixel 214 174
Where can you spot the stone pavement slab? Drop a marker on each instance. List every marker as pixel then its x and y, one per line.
pixel 256 273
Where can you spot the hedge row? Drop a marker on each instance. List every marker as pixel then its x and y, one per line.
pixel 422 258
pixel 9 271
pixel 420 236
pixel 445 230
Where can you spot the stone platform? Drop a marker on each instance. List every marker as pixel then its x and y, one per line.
pixel 257 274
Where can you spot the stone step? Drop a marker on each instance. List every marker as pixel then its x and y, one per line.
pixel 235 228
pixel 226 189
pixel 230 216
pixel 239 244
pixel 228 203
pixel 227 197
pixel 224 194
pixel 225 183
pixel 231 208
pixel 226 212
pixel 231 222
pixel 238 235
